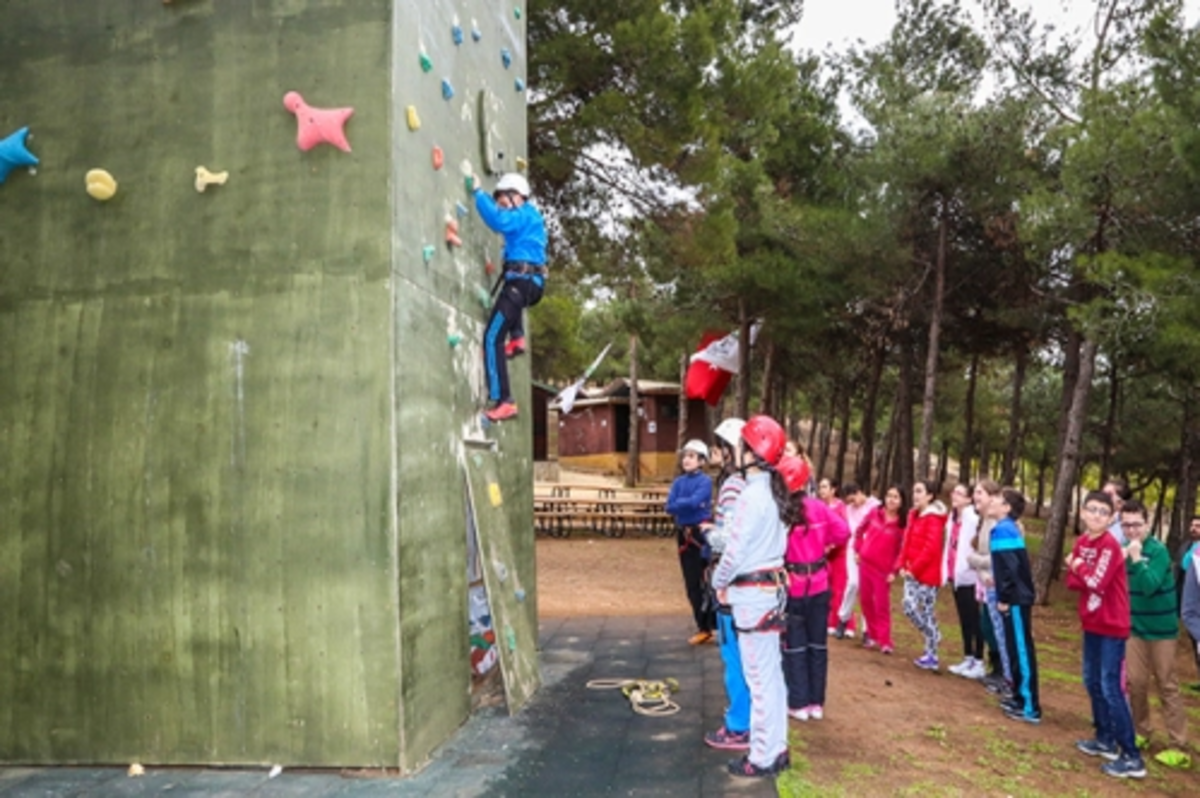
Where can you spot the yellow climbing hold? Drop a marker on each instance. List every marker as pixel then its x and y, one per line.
pixel 414 121
pixel 100 185
pixel 205 178
pixel 494 494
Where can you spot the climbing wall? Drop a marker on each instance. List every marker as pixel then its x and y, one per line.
pixel 240 382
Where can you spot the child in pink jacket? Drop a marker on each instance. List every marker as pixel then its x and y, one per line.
pixel 877 542
pixel 805 652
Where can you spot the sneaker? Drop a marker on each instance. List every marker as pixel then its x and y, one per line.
pixel 1097 748
pixel 850 634
pixel 831 631
pixel 1017 713
pixel 1173 758
pixel 1011 705
pixel 1125 767
pixel 993 684
pixel 727 740
pixel 886 650
pixel 928 662
pixel 502 411
pixel 700 638
pixel 799 714
pixel 514 347
pixel 746 769
pixel 816 712
pixel 840 631
pixel 867 641
pixel 962 667
pixel 782 762
pixel 976 672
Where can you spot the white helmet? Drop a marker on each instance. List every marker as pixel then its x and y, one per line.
pixel 514 182
pixel 696 446
pixel 730 431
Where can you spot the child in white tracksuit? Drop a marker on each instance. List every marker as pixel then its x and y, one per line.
pixel 750 578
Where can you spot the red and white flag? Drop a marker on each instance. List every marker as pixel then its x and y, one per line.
pixel 714 364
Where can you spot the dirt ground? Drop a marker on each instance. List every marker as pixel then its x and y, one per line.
pixel 890 729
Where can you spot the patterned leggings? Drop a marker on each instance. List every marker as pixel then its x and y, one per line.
pixel 919 604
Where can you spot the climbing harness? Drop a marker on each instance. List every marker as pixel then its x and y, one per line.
pixel 646 696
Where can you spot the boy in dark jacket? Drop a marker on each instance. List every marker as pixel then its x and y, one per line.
pixel 1014 598
pixel 690 501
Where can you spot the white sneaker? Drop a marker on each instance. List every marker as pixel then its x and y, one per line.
pixel 961 668
pixel 977 670
pixel 799 714
pixel 816 712
pixel 850 633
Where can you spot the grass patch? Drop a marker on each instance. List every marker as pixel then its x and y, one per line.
pixel 1049 674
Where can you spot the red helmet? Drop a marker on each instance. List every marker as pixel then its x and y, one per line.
pixel 765 438
pixel 795 472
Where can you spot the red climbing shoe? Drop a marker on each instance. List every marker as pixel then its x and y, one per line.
pixel 514 347
pixel 502 411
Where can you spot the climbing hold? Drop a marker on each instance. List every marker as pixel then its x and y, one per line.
pixel 484 421
pixel 100 185
pixel 510 637
pixel 426 61
pixel 447 89
pixel 477 459
pixel 486 144
pixel 476 34
pixel 483 296
pixel 456 32
pixel 205 178
pixel 428 252
pixel 316 125
pixel 489 268
pixel 522 164
pixel 454 339
pixel 439 159
pixel 505 57
pixel 14 153
pixel 414 121
pixel 468 173
pixel 501 570
pixel 519 84
pixel 494 494
pixel 461 210
pixel 520 594
pixel 517 12
pixel 452 237
pixel 136 770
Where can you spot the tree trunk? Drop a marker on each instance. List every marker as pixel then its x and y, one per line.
pixel 866 446
pixel 1110 422
pixel 681 436
pixel 904 439
pixel 631 465
pixel 743 375
pixel 1070 376
pixel 943 472
pixel 1065 473
pixel 765 405
pixel 843 437
pixel 965 466
pixel 1043 464
pixel 886 470
pixel 813 423
pixel 931 357
pixel 1012 452
pixel 1160 507
pixel 1185 490
pixel 827 434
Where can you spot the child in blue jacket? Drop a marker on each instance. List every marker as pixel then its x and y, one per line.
pixel 510 213
pixel 690 501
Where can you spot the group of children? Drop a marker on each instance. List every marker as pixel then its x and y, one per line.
pixel 784 568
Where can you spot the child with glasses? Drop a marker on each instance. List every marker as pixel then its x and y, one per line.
pixel 1096 570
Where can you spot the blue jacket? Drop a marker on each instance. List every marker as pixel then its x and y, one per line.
pixel 690 499
pixel 523 229
pixel 1010 565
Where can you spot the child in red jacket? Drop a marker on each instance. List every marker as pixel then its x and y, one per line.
pixel 923 565
pixel 1096 570
pixel 877 545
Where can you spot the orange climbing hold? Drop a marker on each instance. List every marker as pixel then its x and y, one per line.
pixel 452 237
pixel 439 159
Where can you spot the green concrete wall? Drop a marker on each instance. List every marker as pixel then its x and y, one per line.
pixel 232 524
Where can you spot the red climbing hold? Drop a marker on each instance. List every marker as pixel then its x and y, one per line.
pixel 438 158
pixel 452 238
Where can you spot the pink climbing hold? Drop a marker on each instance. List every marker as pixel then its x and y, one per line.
pixel 439 159
pixel 452 237
pixel 316 125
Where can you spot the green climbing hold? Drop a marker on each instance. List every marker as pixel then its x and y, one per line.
pixel 484 297
pixel 517 12
pixel 426 62
pixel 428 252
pixel 454 339
pixel 510 637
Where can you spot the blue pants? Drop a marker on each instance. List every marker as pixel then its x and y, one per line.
pixel 1102 660
pixel 805 651
pixel 737 713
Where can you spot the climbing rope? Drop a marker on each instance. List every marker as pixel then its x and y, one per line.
pixel 646 696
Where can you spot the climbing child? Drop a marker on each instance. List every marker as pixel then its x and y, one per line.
pixel 1096 570
pixel 1014 600
pixel 817 530
pixel 750 579
pixel 923 566
pixel 509 212
pixel 734 734
pixel 877 543
pixel 690 501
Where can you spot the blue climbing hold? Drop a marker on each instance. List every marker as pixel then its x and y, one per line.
pixel 456 32
pixel 14 153
pixel 505 57
pixel 461 209
pixel 447 89
pixel 476 34
pixel 519 84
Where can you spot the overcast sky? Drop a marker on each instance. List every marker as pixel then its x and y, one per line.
pixel 842 22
